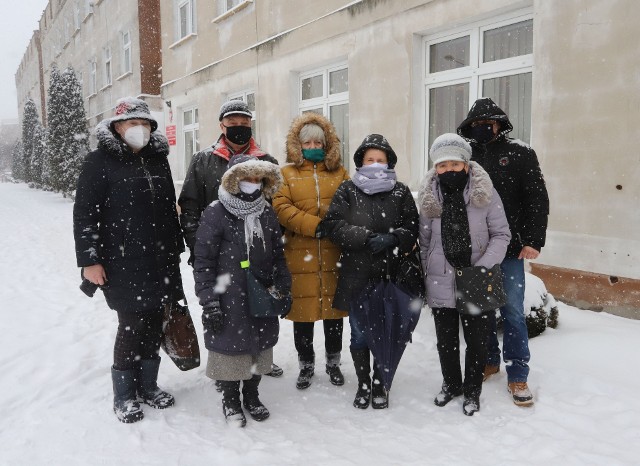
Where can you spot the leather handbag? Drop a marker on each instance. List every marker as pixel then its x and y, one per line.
pixel 179 337
pixel 266 302
pixel 479 290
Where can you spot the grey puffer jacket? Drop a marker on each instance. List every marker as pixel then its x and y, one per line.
pixel 488 228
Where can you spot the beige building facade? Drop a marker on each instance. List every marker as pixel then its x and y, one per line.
pixel 567 73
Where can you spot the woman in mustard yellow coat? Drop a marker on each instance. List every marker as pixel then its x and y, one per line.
pixel 311 177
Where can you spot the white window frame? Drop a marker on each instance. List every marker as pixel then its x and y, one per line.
pixel 224 10
pixel 93 72
pixel 191 18
pixel 327 100
pixel 244 96
pixel 126 48
pixel 108 69
pixel 476 72
pixel 192 128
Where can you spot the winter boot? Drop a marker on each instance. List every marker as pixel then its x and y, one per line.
pixel 379 396
pixel 307 367
pixel 125 404
pixel 231 407
pixel 489 370
pixel 333 369
pixel 470 405
pixel 250 399
pixel 218 386
pixel 521 394
pixel 148 390
pixel 362 364
pixel 446 395
pixel 276 371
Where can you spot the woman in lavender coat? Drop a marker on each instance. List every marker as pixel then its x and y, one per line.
pixel 462 223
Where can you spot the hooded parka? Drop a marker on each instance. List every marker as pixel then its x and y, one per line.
pixel 301 203
pixel 125 219
pixel 488 229
pixel 515 172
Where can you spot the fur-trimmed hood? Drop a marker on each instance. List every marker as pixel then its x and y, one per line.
pixel 478 192
pixel 112 143
pixel 269 172
pixel 332 159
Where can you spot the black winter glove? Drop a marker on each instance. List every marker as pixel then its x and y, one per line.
pixel 380 242
pixel 322 230
pixel 213 317
pixel 191 257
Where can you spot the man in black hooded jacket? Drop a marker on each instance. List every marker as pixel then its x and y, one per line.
pixel 515 172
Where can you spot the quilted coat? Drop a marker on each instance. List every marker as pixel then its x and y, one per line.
pixel 301 202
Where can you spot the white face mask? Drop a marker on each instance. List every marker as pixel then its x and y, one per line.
pixel 249 188
pixel 137 137
pixel 378 165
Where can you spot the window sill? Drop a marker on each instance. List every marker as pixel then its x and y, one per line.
pixel 186 38
pixel 87 17
pixel 92 95
pixel 122 76
pixel 105 87
pixel 232 11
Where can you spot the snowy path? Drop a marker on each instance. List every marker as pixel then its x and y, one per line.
pixel 56 387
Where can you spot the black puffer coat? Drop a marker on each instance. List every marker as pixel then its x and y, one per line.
pixel 202 181
pixel 515 172
pixel 353 216
pixel 125 218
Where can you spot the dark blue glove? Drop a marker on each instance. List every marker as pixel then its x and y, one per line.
pixel 380 242
pixel 322 230
pixel 213 317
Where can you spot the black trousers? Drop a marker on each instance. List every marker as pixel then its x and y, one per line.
pixel 475 330
pixel 303 338
pixel 138 338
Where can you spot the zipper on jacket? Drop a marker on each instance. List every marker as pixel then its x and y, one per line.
pixel 315 178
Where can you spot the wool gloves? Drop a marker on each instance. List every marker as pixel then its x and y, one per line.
pixel 379 242
pixel 213 317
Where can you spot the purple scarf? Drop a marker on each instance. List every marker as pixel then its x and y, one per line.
pixel 373 180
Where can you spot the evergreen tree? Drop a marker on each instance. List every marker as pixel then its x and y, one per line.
pixel 29 123
pixel 16 164
pixel 42 146
pixel 37 156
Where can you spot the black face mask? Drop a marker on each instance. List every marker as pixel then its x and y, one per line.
pixel 482 133
pixel 454 180
pixel 239 135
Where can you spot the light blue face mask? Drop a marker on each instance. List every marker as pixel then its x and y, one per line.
pixel 314 155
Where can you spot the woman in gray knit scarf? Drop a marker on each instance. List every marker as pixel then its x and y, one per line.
pixel 240 230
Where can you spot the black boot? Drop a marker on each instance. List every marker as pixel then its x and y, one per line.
pixel 125 404
pixel 307 367
pixel 250 399
pixel 470 405
pixel 231 407
pixel 276 371
pixel 379 396
pixel 362 364
pixel 333 369
pixel 446 395
pixel 148 390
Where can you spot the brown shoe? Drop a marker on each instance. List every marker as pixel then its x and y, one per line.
pixel 489 371
pixel 521 394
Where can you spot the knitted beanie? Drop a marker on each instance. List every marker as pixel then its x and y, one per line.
pixel 450 146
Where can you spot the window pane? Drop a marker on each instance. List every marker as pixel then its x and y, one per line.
pixel 188 118
pixel 188 148
pixel 195 115
pixel 508 41
pixel 448 106
pixel 251 102
pixel 183 21
pixel 339 81
pixel 312 87
pixel 197 144
pixel 449 55
pixel 513 95
pixel 339 116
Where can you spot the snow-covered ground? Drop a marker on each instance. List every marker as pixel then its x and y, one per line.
pixel 55 388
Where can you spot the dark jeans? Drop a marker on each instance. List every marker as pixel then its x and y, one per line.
pixel 476 330
pixel 303 338
pixel 138 338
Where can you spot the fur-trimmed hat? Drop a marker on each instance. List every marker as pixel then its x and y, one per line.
pixel 130 108
pixel 375 141
pixel 450 146
pixel 234 107
pixel 243 166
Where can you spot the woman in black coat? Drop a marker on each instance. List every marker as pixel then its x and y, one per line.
pixel 374 220
pixel 128 242
pixel 240 231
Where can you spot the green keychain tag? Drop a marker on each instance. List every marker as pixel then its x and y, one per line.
pixel 244 264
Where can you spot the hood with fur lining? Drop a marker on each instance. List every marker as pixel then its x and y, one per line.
pixel 269 172
pixel 478 192
pixel 112 143
pixel 332 159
